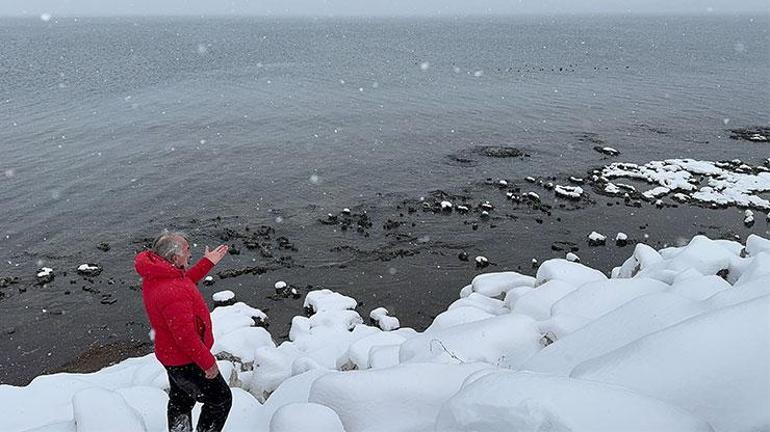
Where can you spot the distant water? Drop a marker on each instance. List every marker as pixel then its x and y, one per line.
pixel 111 129
pixel 105 123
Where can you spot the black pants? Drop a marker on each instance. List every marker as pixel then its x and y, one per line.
pixel 188 385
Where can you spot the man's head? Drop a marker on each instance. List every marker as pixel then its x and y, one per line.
pixel 173 247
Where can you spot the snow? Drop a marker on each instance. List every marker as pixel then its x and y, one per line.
pixel 495 284
pixel 596 238
pixel 326 300
pixel 676 340
pixel 594 299
pixel 399 399
pixel 505 341
pixel 385 322
pixel 87 268
pixel 223 296
pixel 305 417
pixel 90 405
pixel 725 183
pixel 722 378
pixel 43 272
pixel 572 192
pixel 574 273
pixel 525 401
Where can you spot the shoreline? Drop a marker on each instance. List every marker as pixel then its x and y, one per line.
pixel 402 253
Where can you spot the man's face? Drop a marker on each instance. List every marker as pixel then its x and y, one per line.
pixel 182 260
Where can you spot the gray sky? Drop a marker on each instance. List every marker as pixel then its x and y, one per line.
pixel 372 7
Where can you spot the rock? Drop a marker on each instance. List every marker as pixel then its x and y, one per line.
pixel 499 151
pixel 446 206
pixel 463 256
pixel 621 239
pixel 45 275
pixel 224 298
pixel 89 270
pixel 609 151
pixel 234 250
pixel 103 246
pixel 208 281
pixel 282 288
pixel 482 262
pixel 570 192
pixel 8 281
pixel 759 134
pixel 748 218
pixel 596 239
pixel 572 257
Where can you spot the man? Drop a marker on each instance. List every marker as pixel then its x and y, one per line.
pixel 181 322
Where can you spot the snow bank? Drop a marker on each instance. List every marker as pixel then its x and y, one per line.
pixel 507 401
pixel 713 365
pixel 402 398
pixel 305 417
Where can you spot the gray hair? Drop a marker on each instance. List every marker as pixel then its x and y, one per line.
pixel 169 244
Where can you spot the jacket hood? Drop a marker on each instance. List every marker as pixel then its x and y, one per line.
pixel 150 265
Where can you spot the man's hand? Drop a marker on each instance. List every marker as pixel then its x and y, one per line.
pixel 217 254
pixel 212 372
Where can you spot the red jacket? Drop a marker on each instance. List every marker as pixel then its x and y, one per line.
pixel 176 310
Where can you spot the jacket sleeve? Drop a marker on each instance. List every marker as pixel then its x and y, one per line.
pixel 180 320
pixel 199 270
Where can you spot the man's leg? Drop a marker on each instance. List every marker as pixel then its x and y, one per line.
pixel 180 402
pixel 217 400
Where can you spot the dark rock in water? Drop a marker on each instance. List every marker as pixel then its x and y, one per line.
pixel 90 270
pixel 284 243
pixel 208 281
pixel 8 281
pixel 499 151
pixel 482 262
pixel 564 246
pixel 234 250
pixel 107 299
pixel 103 246
pixel 224 298
pixel 609 151
pixel 391 224
pixel 758 134
pixel 224 274
pixel 45 275
pixel 463 256
pixel 260 322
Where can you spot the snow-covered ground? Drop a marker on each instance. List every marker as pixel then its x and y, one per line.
pixel 674 340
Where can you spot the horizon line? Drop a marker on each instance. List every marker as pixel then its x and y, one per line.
pixel 54 16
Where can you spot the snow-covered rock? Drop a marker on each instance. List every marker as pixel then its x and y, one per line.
pixel 520 401
pixel 713 365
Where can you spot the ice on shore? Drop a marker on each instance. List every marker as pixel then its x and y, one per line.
pixel 675 340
